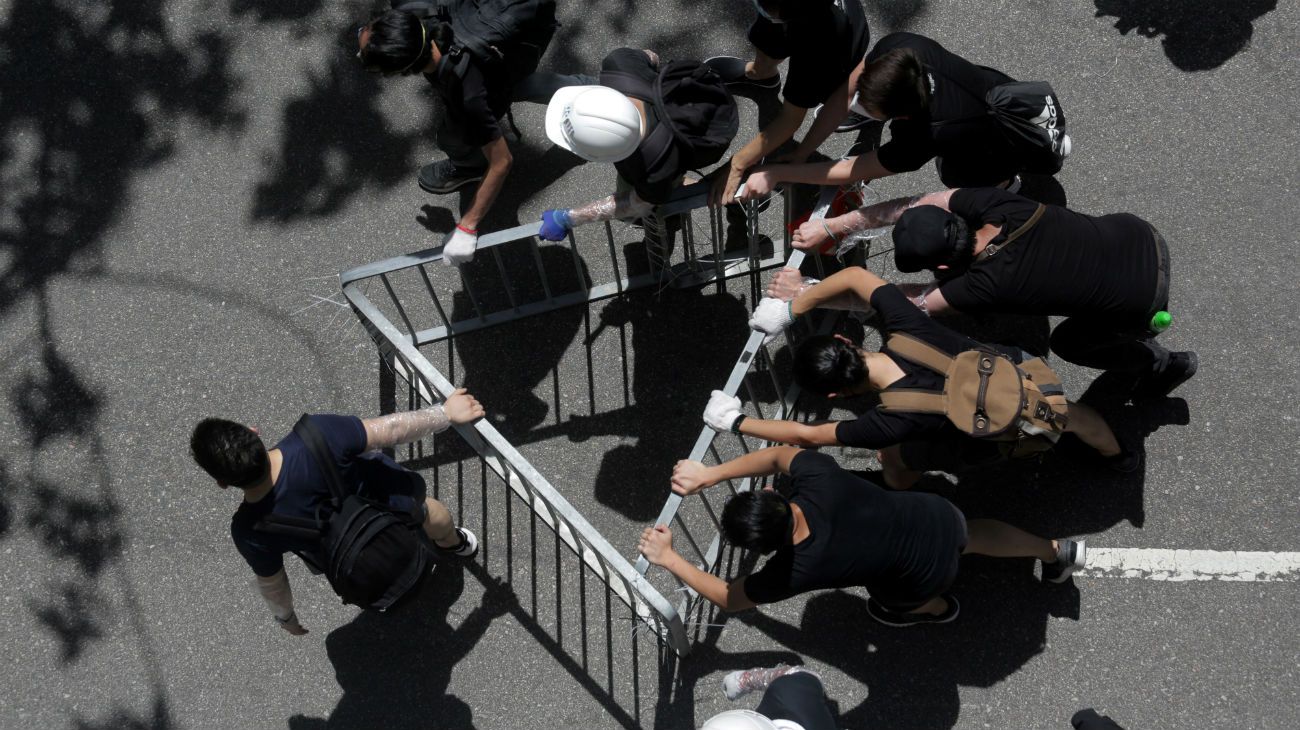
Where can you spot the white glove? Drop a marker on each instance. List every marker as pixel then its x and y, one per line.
pixel 721 411
pixel 771 317
pixel 459 247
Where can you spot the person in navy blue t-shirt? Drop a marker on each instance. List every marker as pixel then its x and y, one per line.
pixel 285 480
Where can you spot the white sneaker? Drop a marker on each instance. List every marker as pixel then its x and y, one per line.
pixel 467 547
pixel 743 681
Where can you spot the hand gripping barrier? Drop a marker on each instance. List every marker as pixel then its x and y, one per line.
pixel 755 360
pixel 400 349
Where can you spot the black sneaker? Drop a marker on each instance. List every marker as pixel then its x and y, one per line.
pixel 894 618
pixel 445 176
pixel 853 121
pixel 1127 461
pixel 1069 558
pixel 732 72
pixel 1180 368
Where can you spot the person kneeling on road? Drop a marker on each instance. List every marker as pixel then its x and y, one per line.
pixel 837 530
pixel 925 430
pixel 995 251
pixel 287 483
pixel 653 121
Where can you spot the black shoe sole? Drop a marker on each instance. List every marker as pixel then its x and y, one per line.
pixel 1193 364
pixel 460 183
pixel 954 608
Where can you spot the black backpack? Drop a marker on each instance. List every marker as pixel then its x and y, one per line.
pixel 697 114
pixel 371 555
pixel 507 34
pixel 1031 118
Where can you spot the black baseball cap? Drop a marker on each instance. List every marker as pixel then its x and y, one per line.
pixel 927 237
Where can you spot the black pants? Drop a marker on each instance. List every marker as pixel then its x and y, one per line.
pixel 1125 344
pixel 1109 345
pixel 536 88
pixel 798 697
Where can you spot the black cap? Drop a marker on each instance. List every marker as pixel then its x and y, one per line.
pixel 926 237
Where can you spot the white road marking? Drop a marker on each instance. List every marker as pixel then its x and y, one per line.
pixel 1187 565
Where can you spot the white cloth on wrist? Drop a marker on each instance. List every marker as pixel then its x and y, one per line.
pixel 276 592
pixel 721 411
pixel 771 316
pixel 459 248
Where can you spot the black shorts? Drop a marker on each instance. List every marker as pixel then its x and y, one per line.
pixel 401 489
pixel 953 454
pixel 910 598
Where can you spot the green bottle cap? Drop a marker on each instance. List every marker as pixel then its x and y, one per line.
pixel 1161 321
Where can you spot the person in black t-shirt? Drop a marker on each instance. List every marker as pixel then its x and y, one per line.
pixel 475 96
pixel 825 41
pixel 607 126
pixel 287 481
pixel 909 443
pixel 1109 274
pixel 934 102
pixel 837 530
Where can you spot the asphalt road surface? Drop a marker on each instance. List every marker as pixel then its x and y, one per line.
pixel 182 181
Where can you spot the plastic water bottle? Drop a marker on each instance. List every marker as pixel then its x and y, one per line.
pixel 1160 321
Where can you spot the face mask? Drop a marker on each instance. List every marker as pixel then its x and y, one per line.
pixel 856 107
pixel 765 15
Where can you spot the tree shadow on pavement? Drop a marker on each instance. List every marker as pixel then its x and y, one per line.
pixel 394 667
pixel 84 127
pixel 1199 35
pixel 335 141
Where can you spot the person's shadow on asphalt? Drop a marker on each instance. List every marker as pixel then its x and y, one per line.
pixel 912 675
pixel 394 667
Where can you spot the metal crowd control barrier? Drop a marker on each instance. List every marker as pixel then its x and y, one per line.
pixel 754 364
pixel 400 350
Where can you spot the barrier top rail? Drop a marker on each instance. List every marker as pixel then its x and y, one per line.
pixel 686 199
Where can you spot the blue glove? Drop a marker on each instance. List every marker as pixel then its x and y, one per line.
pixel 555 225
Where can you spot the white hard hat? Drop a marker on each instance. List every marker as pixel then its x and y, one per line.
pixel 739 720
pixel 595 123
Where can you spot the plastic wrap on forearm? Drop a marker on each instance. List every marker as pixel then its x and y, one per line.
pixel 624 205
pixel 403 428
pixel 276 592
pixel 879 214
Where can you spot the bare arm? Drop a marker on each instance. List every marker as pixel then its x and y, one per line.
pixel 833 112
pixel 769 138
pixel 690 477
pixel 838 172
pixel 499 162
pixel 854 280
pixel 791 432
pixel 657 546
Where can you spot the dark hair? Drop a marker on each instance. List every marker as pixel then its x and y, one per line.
pixel 824 365
pixel 963 250
pixel 757 520
pixel 894 85
pixel 229 452
pixel 399 42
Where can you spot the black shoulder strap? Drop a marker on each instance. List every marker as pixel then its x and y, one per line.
pixel 315 442
pixel 627 84
pixel 992 249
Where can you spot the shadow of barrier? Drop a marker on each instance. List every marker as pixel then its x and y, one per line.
pixel 410 314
